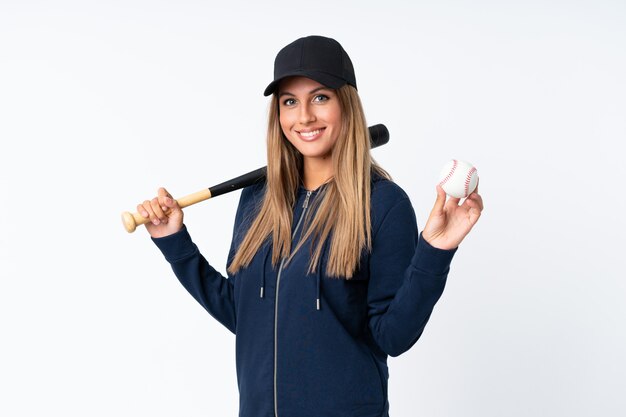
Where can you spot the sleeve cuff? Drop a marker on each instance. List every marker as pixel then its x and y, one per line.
pixel 430 259
pixel 176 246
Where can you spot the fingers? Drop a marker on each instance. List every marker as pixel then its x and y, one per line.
pixel 162 192
pixel 474 196
pixel 159 208
pixel 476 199
pixel 151 209
pixel 146 209
pixel 452 202
pixel 473 203
pixel 441 200
pixel 166 200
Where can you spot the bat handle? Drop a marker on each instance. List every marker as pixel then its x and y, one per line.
pixel 132 220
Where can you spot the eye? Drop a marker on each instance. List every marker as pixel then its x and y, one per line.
pixel 320 98
pixel 289 102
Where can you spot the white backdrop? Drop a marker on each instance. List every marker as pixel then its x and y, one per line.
pixel 102 102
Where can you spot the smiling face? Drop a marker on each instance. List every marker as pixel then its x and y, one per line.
pixel 310 117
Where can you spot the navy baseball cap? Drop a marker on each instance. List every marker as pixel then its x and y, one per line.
pixel 316 57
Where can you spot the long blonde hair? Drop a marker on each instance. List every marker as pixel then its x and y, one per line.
pixel 343 206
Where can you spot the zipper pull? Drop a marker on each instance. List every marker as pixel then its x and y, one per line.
pixel 306 200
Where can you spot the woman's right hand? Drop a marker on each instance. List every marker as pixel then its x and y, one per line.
pixel 166 217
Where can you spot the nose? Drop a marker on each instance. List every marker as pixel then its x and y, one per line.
pixel 307 114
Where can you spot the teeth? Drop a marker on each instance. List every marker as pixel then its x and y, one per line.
pixel 310 134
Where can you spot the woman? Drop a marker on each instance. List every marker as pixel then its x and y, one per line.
pixel 327 274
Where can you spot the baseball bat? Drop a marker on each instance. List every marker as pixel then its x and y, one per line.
pixel 379 136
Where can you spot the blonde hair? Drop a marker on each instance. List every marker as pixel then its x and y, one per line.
pixel 343 206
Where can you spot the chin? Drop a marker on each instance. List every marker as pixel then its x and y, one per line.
pixel 313 153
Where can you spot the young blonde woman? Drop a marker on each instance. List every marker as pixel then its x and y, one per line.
pixel 327 273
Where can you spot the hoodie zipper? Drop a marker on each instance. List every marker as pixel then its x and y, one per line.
pixel 280 270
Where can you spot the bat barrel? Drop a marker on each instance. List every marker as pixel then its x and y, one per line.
pixel 242 181
pixel 379 135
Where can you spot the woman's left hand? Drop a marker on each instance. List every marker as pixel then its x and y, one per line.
pixel 449 222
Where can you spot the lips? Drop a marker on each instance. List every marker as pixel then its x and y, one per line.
pixel 310 135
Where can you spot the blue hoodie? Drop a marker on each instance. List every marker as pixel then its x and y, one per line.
pixel 309 345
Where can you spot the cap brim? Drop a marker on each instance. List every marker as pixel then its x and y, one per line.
pixel 323 78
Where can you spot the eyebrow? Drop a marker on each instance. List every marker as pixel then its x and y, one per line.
pixel 315 90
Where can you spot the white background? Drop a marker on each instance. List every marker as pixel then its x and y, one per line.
pixel 102 102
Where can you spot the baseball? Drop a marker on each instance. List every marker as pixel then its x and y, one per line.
pixel 458 178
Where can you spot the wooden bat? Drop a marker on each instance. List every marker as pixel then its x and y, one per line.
pixel 378 134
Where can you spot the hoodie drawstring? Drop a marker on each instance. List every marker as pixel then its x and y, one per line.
pixel 267 254
pixel 319 274
pixel 319 284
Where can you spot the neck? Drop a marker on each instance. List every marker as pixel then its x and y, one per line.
pixel 317 171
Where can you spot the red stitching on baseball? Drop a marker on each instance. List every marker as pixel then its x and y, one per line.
pixel 468 179
pixel 443 181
